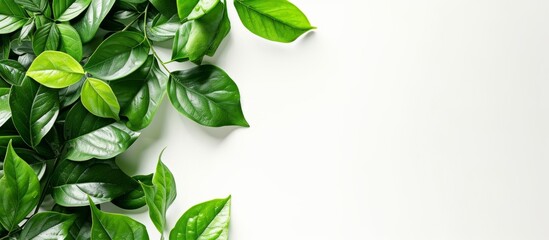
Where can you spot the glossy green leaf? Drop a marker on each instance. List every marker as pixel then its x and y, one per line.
pixel 207 95
pixel 161 28
pixel 46 38
pixel 200 8
pixel 48 225
pixel 89 24
pixel 166 7
pixel 81 228
pixel 136 198
pixel 5 112
pixel 5 47
pixel 9 24
pixel 26 59
pixel 70 94
pixel 12 71
pixel 98 97
pixel 101 180
pixel 205 221
pixel 55 70
pixel 21 46
pixel 118 56
pixel 70 41
pixel 20 190
pixel 65 10
pixel 27 29
pixel 109 226
pixel 11 8
pixel 79 121
pixel 141 93
pixel 222 31
pixel 276 20
pixel 160 195
pixel 34 110
pixel 33 5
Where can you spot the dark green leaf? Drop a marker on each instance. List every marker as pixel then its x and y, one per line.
pixel 20 190
pixel 276 20
pixel 118 56
pixel 207 95
pixel 115 226
pixel 81 228
pixel 97 11
pixel 46 38
pixel 34 110
pixel 71 94
pixel 33 5
pixel 55 70
pixel 160 195
pixel 41 20
pixel 5 47
pixel 48 225
pixel 80 122
pixel 166 7
pixel 5 112
pixel 70 41
pixel 65 10
pixel 102 180
pixel 98 97
pixel 205 221
pixel 141 93
pixel 12 71
pixel 136 198
pixel 10 8
pixel 21 46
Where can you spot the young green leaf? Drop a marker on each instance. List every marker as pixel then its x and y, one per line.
pixel 48 225
pixel 166 7
pixel 207 95
pixel 205 221
pixel 55 70
pixel 20 190
pixel 195 9
pixel 5 111
pixel 70 41
pixel 12 71
pixel 65 10
pixel 276 20
pixel 136 198
pixel 46 38
pixel 118 56
pixel 89 24
pixel 98 97
pixel 34 110
pixel 107 226
pixel 101 180
pixel 33 5
pixel 160 195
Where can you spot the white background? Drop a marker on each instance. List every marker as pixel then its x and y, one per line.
pixel 396 119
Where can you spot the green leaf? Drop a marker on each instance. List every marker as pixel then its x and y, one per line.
pixel 195 9
pixel 33 5
pixel 20 190
pixel 70 41
pixel 79 121
pixel 98 97
pixel 12 71
pixel 10 8
pixel 34 110
pixel 118 56
pixel 55 70
pixel 276 20
pixel 46 38
pixel 81 228
pixel 65 10
pixel 194 38
pixel 161 28
pixel 166 7
pixel 205 221
pixel 101 180
pixel 5 47
pixel 70 94
pixel 27 29
pixel 5 112
pixel 160 195
pixel 141 93
pixel 115 226
pixel 48 225
pixel 97 11
pixel 9 24
pixel 136 198
pixel 207 95
pixel 221 33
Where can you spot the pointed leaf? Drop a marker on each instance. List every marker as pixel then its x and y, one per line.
pixel 115 226
pixel 48 225
pixel 9 24
pixel 97 11
pixel 205 221
pixel 136 198
pixel 160 195
pixel 98 97
pixel 65 10
pixel 5 111
pixel 46 38
pixel 70 41
pixel 12 71
pixel 55 70
pixel 33 5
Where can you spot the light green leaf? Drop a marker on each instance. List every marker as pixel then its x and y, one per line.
pixel 12 71
pixel 5 112
pixel 70 41
pixel 46 38
pixel 65 10
pixel 20 190
pixel 118 56
pixel 48 225
pixel 98 97
pixel 205 221
pixel 276 20
pixel 97 11
pixel 107 226
pixel 206 95
pixel 55 70
pixel 9 24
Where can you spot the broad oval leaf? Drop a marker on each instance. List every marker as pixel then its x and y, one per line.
pixel 118 56
pixel 33 5
pixel 89 24
pixel 55 70
pixel 12 71
pixel 70 41
pixel 206 221
pixel 5 111
pixel 65 10
pixel 160 195
pixel 20 190
pixel 34 110
pixel 48 225
pixel 109 226
pixel 206 95
pixel 276 20
pixel 46 38
pixel 101 180
pixel 98 97
pixel 136 198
